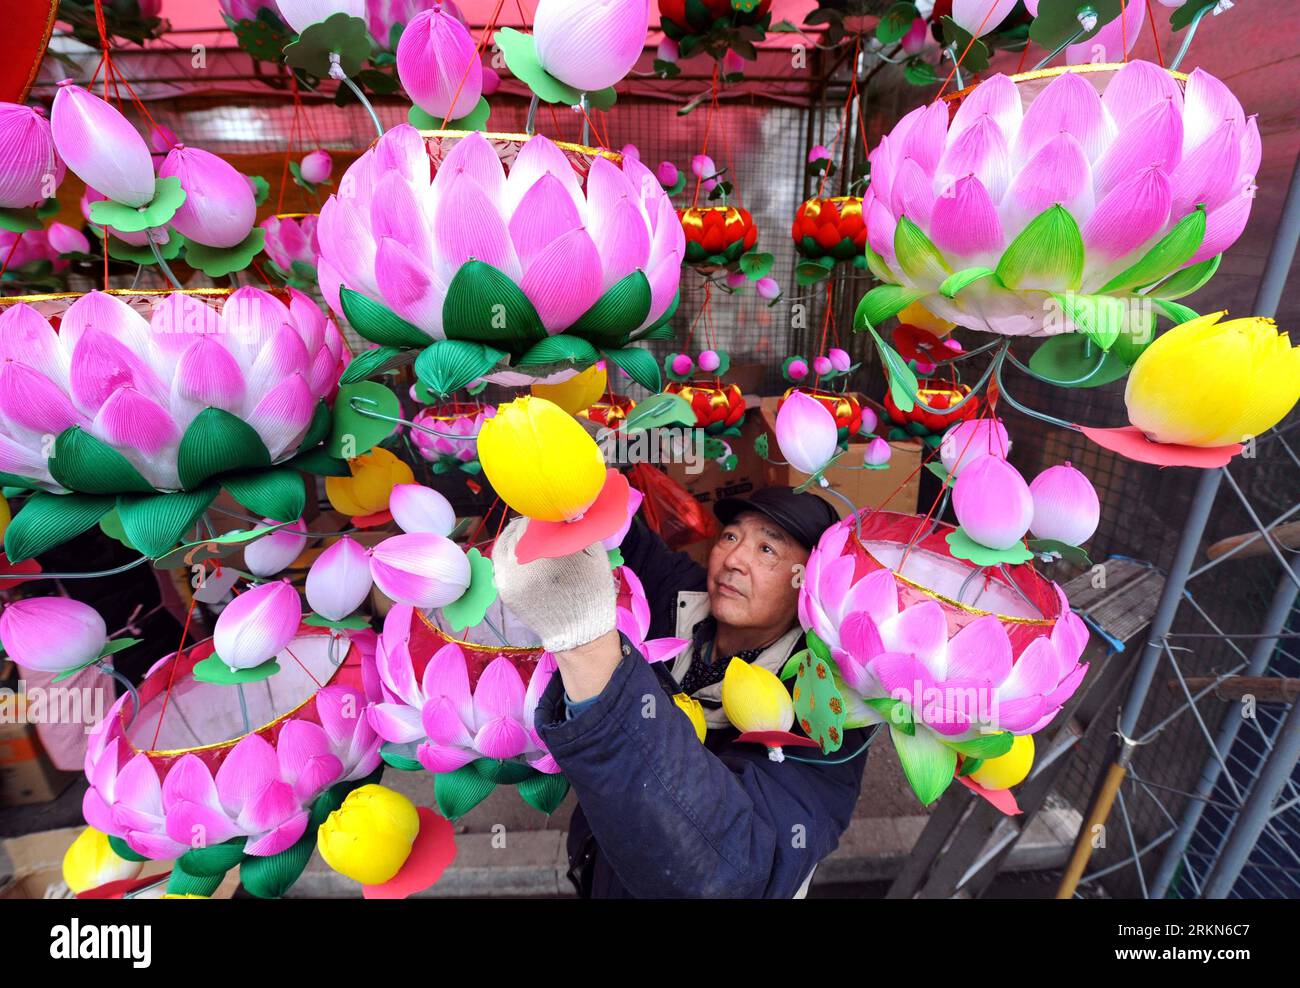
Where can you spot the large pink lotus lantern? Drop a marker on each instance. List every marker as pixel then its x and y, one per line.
pixel 1085 197
pixel 540 267
pixel 214 776
pixel 150 403
pixel 954 658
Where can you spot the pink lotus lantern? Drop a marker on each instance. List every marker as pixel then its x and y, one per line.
pixel 292 247
pixel 30 168
pixel 192 776
pixel 457 425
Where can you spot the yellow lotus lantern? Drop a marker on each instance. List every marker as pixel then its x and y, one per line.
pixel 754 699
pixel 694 711
pixel 1009 769
pixel 91 862
pixel 365 494
pixel 369 837
pixel 917 314
pixel 577 393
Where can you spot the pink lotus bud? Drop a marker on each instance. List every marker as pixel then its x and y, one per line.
pixel 992 502
pixel 417 508
pixel 219 208
pixel 30 169
pixel 302 14
pixel 806 432
pixel 710 361
pixel 819 153
pixel 590 44
pixel 822 366
pixel 916 37
pixel 101 147
pixel 421 569
pixel 491 80
pixel 339 579
pixel 709 184
pixel 51 634
pixel 797 370
pixel 272 553
pixel 162 139
pixel 953 345
pixel 631 151
pixel 439 65
pixel 702 166
pixel 839 359
pixel 67 240
pixel 767 288
pixel 870 420
pixel 732 64
pixel 256 626
pixel 737 280
pixel 667 51
pixel 667 174
pixel 316 167
pixel 1065 505
pixel 967 441
pixel 682 365
pixel 877 453
pixel 924 367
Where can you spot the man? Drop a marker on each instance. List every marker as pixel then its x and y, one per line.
pixel 659 814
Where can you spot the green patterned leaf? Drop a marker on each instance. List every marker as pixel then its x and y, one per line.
pixel 902 379
pixel 1188 280
pixel 1171 252
pixel 619 311
pixel 986 746
pixel 559 349
pixel 458 792
pixel 217 262
pixel 544 791
pixel 882 302
pixel 156 522
pixel 1175 311
pixel 1048 254
pixel 451 364
pixel 215 860
pixel 953 285
pixel 380 324
pixel 47 520
pixel 483 304
pixel 640 365
pixel 372 363
pixel 919 258
pixel 318 428
pixel 319 462
pixel 1100 317
pixel 278 494
pixel 756 264
pixel 217 442
pixel 84 463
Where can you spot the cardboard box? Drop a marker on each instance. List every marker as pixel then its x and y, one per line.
pixel 26 773
pixel 895 489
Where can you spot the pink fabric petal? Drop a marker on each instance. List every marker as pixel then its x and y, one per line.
pixel 499 692
pixel 622 240
pixel 1034 673
pixel 101 365
pixel 134 421
pixel 903 677
pixel 274 805
pixel 283 415
pixel 396 722
pixel 1058 173
pixel 1134 212
pixel 155 846
pixel 194 814
pixel 876 594
pixel 924 140
pixel 397 213
pixel 538 157
pixel 1114 41
pixel 249 768
pixel 393 660
pixel 209 376
pixel 475 159
pixel 913 193
pixel 546 212
pixel 447 675
pixel 97 813
pixel 502 737
pixel 1224 225
pixel 283 354
pixel 467 226
pixel 306 761
pixel 409 287
pixel 26 337
pixel 1068 105
pixel 564 280
pixel 138 787
pixel 965 220
pixel 109 315
pixel 280 838
pixel 438 758
pixel 1209 174
pixel 922 631
pixel 1153 139
pixel 1135 88
pixel 979 150
pixel 1207 104
pixel 980 653
pixel 996 98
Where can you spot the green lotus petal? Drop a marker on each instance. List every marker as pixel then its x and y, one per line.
pixel 928 763
pixel 881 303
pixel 484 305
pixel 1100 317
pixel 217 262
pixel 878 266
pixel 1188 280
pixel 451 364
pixel 953 285
pixel 380 324
pixel 458 792
pixel 618 311
pixel 544 791
pixel 659 411
pixel 1175 311
pixel 215 860
pixel 1048 254
pixel 217 442
pixel 372 363
pixel 903 386
pixel 48 520
pixel 986 746
pixel 84 463
pixel 809 273
pixel 155 522
pixel 919 258
pixel 1170 253
pixel 319 462
pixel 640 365
pixel 559 349
pixel 277 494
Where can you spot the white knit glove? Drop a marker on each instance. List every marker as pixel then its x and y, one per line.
pixel 567 602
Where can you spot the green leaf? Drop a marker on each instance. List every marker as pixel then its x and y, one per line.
pixel 756 265
pixel 215 860
pixel 213 670
pixel 618 312
pixel 261 189
pixel 659 411
pixel 902 380
pixel 111 526
pixel 810 272
pixel 155 522
pixel 974 55
pixel 363 414
pixel 1065 361
pixel 458 792
pixel 1188 280
pixel 953 285
pixel 277 494
pixel 319 462
pixel 559 349
pixel 217 547
pixel 483 304
pixel 1048 254
pixel 451 364
pixel 120 250
pixel 986 746
pixel 124 850
pixel 471 607
pixel 919 258
pixel 217 442
pixel 1175 311
pixel 1184 15
pixel 896 23
pixel 168 196
pixel 48 520
pixel 1057 22
pixel 339 34
pixel 378 323
pixel 521 59
pixel 544 791
pixel 1170 253
pixel 819 706
pixel 927 762
pixel 217 262
pixel 1070 553
pixel 372 363
pixel 1099 317
pixel 937 469
pixel 19 220
pixel 394 755
pixel 84 463
pixel 640 365
pixel 661 328
pixel 919 72
pixel 881 303
pixel 962 546
pixel 877 266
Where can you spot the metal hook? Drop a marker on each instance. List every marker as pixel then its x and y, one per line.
pixel 353 403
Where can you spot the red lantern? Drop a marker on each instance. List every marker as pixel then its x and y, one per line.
pixel 940 396
pixel 610 412
pixel 717 236
pixel 718 407
pixel 832 227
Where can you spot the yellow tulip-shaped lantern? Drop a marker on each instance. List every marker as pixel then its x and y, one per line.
pixel 1009 769
pixel 91 862
pixel 759 707
pixel 545 465
pixel 364 495
pixel 577 393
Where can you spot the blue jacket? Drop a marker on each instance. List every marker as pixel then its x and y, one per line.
pixel 660 814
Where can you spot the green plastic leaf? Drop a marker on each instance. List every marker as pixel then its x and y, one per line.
pixel 810 272
pixel 878 267
pixel 277 494
pixel 396 756
pixel 84 463
pixel 124 850
pixel 458 792
pixel 761 446
pixel 902 379
pixel 47 520
pixel 1176 311
pixel 756 265
pixel 339 33
pixel 217 547
pixel 661 328
pixel 559 350
pixel 986 746
pixel 938 470
pixel 896 23
pixel 1099 317
pixel 217 442
pixel 1065 360
pixel 1184 15
pixel 544 791
pixel 618 312
pixel 470 608
pixel 380 324
pixel 1170 253
pixel 215 860
pixel 155 522
pixel 372 363
pixel 168 196
pixel 120 250
pixel 363 417
pixel 659 411
pixel 521 59
pixel 181 882
pixel 882 302
pixel 1070 553
pixel 962 546
pixel 1048 254
pixel 927 762
pixel 818 705
pixel 319 462
pixel 451 364
pixel 919 258
pixel 111 526
pixel 19 220
pixel 213 670
pixel 953 284
pixel 261 189
pixel 919 72
pixel 217 262
pixel 640 365
pixel 483 304
pixel 974 55
pixel 1057 22
pixel 1188 280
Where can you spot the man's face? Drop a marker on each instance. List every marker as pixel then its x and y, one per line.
pixel 752 574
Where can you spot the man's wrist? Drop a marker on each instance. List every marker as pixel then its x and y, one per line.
pixel 587 669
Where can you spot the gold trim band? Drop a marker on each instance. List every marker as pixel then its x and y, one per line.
pixel 1055 71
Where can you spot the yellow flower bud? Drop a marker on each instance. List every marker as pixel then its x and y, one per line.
pixel 693 709
pixel 91 862
pixel 366 492
pixel 1010 769
pixel 754 699
pixel 578 393
pixel 369 837
pixel 919 316
pixel 540 460
pixel 1212 383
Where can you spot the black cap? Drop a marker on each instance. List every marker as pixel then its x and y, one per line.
pixel 804 516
